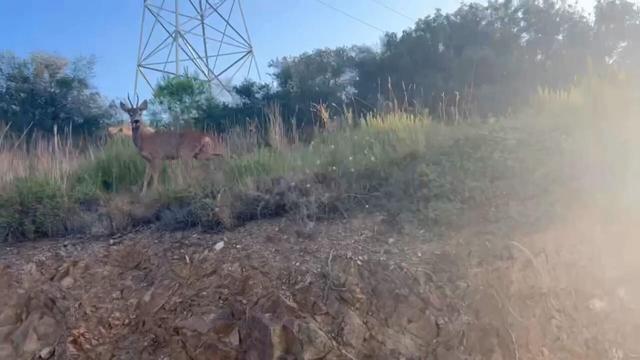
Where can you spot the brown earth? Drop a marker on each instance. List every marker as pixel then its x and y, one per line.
pixel 362 288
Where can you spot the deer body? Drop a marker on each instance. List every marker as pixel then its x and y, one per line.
pixel 167 145
pixel 156 147
pixel 125 130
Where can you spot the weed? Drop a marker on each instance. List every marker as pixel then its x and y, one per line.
pixel 118 168
pixel 34 207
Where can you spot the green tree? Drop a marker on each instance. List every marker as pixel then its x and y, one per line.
pixel 480 59
pixel 324 75
pixel 188 100
pixel 617 32
pixel 45 91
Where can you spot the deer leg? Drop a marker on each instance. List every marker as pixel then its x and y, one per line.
pixel 199 153
pixel 147 174
pixel 157 166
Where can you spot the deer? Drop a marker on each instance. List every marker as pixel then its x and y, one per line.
pixel 125 130
pixel 159 146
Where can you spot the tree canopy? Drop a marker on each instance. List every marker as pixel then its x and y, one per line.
pixel 491 57
pixel 45 91
pixel 479 60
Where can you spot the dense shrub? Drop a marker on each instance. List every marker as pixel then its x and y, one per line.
pixel 33 208
pixel 118 167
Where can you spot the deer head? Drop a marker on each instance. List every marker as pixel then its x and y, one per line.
pixel 252 127
pixel 134 112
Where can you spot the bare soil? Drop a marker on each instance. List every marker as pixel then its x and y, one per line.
pixel 362 288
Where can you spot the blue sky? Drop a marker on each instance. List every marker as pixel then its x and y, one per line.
pixel 109 29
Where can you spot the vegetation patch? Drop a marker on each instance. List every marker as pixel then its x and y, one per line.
pixel 33 208
pixel 117 168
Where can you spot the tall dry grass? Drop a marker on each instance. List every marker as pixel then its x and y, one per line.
pixel 594 123
pixel 598 121
pixel 38 155
pixel 58 171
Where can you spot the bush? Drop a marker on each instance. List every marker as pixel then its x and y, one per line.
pixel 118 168
pixel 32 208
pixel 45 92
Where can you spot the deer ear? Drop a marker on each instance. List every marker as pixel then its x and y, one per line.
pixel 123 106
pixel 143 106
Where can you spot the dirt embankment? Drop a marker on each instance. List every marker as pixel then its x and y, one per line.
pixel 343 290
pixel 527 277
pixel 356 289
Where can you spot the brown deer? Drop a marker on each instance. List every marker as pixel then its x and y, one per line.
pixel 125 130
pixel 159 146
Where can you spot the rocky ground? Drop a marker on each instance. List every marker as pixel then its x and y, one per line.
pixel 359 288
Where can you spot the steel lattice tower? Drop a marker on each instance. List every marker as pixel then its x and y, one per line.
pixel 206 37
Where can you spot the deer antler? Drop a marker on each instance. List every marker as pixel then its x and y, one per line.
pixel 137 100
pixel 129 98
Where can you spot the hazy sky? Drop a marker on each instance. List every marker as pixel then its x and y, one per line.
pixel 109 29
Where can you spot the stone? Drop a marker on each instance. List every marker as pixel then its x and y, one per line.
pixel 195 323
pixel 7 352
pixel 263 337
pixel 67 282
pixel 219 246
pixel 443 354
pixel 233 338
pixel 235 270
pixel 9 316
pixel 31 343
pixel 6 331
pixel 46 353
pixel 211 350
pixel 315 343
pixel 257 338
pixel 353 329
pixel 47 328
pixel 20 335
pixel 597 305
pixel 155 298
pixel 223 323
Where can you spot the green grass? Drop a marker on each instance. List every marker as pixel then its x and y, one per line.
pixel 117 168
pixel 376 145
pixel 36 207
pixel 584 135
pixel 374 148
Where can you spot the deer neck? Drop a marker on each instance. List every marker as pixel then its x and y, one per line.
pixel 136 135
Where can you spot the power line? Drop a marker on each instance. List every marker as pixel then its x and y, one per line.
pixel 351 16
pixel 397 12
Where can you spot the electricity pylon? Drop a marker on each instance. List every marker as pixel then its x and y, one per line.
pixel 209 38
